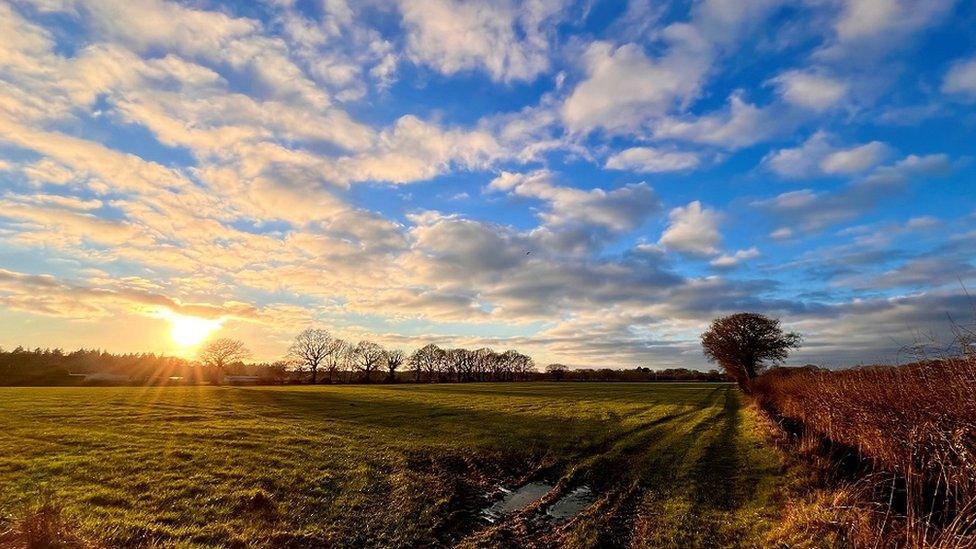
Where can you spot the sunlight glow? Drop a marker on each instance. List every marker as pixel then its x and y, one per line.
pixel 189 331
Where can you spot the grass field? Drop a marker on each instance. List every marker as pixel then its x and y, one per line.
pixel 670 464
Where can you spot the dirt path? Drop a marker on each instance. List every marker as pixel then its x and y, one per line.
pixel 688 479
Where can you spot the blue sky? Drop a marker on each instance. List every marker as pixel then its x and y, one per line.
pixel 589 182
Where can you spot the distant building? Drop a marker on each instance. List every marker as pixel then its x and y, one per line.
pixel 103 377
pixel 241 380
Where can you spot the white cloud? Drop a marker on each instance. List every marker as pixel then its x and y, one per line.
pixel 802 161
pixel 625 88
pixel 415 150
pixel 727 21
pixel 812 211
pixel 869 28
pixel 740 124
pixel 86 158
pixel 617 210
pixel 793 200
pixel 209 35
pixel 652 160
pixel 693 229
pixel 727 261
pixel 961 79
pixel 818 155
pixel 908 168
pixel 854 160
pixel 870 18
pixel 508 40
pixel 339 50
pixel 922 222
pixel 810 90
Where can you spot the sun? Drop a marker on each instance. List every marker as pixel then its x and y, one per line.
pixel 190 331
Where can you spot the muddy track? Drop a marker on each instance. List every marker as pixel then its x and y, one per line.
pixel 617 510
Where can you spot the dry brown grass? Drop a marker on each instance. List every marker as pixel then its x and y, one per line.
pixel 41 526
pixel 907 438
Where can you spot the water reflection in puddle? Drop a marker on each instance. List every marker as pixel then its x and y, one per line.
pixel 517 500
pixel 571 504
pixel 563 509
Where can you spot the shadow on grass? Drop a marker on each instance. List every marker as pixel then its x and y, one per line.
pixel 429 422
pixel 636 393
pixel 719 472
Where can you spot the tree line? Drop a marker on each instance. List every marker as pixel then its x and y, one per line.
pixel 38 366
pixel 742 345
pixel 314 356
pixel 331 359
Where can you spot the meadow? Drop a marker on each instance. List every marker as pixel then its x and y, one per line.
pixel 668 464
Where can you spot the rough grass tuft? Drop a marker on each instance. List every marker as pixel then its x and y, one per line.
pixel 258 502
pixel 41 526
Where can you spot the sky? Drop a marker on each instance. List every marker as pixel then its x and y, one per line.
pixel 588 182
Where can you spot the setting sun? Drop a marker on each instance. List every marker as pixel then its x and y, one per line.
pixel 189 331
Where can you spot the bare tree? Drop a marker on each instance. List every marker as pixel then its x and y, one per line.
pixel 369 355
pixel 427 359
pixel 338 354
pixel 506 365
pixel 394 359
pixel 743 344
pixel 219 353
pixel 459 364
pixel 557 371
pixel 498 366
pixel 311 348
pixel 523 366
pixel 483 361
pixel 514 365
pixel 463 362
pixel 416 360
pixel 346 360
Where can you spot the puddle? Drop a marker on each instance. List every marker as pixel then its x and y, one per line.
pixel 571 504
pixel 516 501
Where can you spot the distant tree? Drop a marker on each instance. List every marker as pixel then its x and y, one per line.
pixel 744 344
pixel 507 365
pixel 460 364
pixel 369 356
pixel 557 371
pixel 347 360
pixel 394 359
pixel 498 366
pixel 277 372
pixel 311 348
pixel 465 361
pixel 427 359
pixel 522 365
pixel 484 360
pixel 338 355
pixel 220 353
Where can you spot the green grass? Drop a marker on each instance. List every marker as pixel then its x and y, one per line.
pixel 672 464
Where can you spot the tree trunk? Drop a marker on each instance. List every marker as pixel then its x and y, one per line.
pixel 744 380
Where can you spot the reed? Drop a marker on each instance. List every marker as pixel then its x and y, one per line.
pixel 912 426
